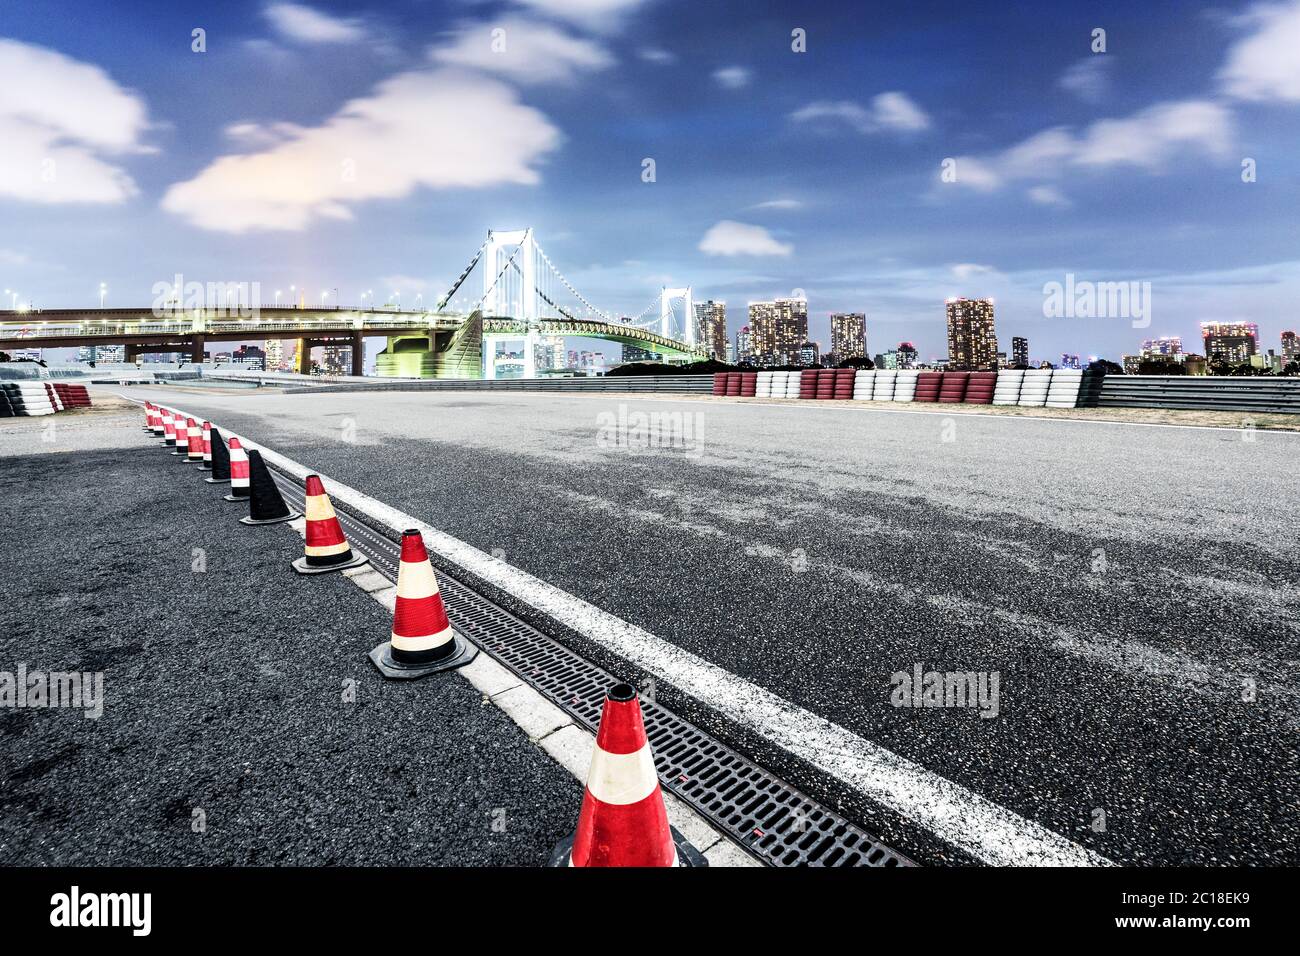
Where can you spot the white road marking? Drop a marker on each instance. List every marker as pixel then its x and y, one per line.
pixel 958 816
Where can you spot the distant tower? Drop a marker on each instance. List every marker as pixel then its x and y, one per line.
pixel 972 342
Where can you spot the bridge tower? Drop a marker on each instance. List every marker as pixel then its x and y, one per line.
pixel 512 291
pixel 666 298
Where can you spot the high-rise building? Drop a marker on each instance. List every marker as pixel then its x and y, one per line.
pixel 808 354
pixel 1019 351
pixel 778 330
pixel 744 345
pixel 972 342
pixel 274 349
pixel 1070 361
pixel 711 317
pixel 1167 346
pixel 334 360
pixel 1290 348
pixel 907 355
pixel 1232 343
pixel 848 335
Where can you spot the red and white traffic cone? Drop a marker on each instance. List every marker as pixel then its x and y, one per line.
pixel 326 549
pixel 206 437
pixel 169 427
pixel 148 416
pixel 182 437
pixel 194 450
pixel 623 821
pixel 238 472
pixel 157 423
pixel 422 641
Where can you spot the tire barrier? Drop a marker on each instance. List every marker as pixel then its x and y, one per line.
pixel 883 390
pixel 927 386
pixel 905 385
pixel 825 383
pixel 422 641
pixel 980 387
pixel 733 384
pixel 1033 389
pixel 952 391
pixel 748 384
pixel 763 388
pixel 845 383
pixel 72 396
pixel 808 383
pixel 863 384
pixel 324 548
pixel 265 503
pixel 1063 392
pixel 1007 389
pixel 623 820
pixel 30 399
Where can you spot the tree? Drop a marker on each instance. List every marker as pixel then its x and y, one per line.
pixel 1160 367
pixel 857 361
pixel 1106 366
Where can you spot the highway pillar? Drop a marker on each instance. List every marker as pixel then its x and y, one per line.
pixel 302 361
pixel 358 353
pixel 531 341
pixel 196 349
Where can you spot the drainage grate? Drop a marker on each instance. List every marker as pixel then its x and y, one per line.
pixel 777 824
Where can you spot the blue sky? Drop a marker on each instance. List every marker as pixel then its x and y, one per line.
pixel 775 170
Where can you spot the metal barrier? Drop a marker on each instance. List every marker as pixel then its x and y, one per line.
pixel 668 384
pixel 1202 392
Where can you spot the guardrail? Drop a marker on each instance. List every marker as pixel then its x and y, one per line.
pixel 1224 393
pixel 674 384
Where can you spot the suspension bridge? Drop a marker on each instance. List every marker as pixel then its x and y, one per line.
pixel 524 299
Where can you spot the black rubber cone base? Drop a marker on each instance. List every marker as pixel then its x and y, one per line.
pixel 218 481
pixel 206 466
pixel 243 498
pixel 281 520
pixel 302 567
pixel 382 657
pixel 687 854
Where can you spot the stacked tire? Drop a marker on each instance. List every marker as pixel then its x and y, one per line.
pixel 748 384
pixel 6 408
pixel 1033 390
pixel 826 383
pixel 764 387
pixel 72 396
pixel 30 398
pixel 980 388
pixel 1063 392
pixel 789 384
pixel 733 384
pixel 808 383
pixel 845 379
pixel 953 389
pixel 719 383
pixel 863 383
pixel 927 386
pixel 884 388
pixel 905 385
pixel 1007 390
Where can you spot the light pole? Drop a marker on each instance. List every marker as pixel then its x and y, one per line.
pixel 397 296
pixel 277 298
pixel 103 291
pixel 292 289
pixel 14 303
pixel 419 299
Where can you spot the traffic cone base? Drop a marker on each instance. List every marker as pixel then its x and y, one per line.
pixel 265 503
pixel 218 481
pixel 289 517
pixel 386 660
pixel 302 567
pixel 686 852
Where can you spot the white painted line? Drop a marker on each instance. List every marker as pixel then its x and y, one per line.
pixel 956 815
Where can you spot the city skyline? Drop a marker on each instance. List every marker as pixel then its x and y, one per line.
pixel 1106 165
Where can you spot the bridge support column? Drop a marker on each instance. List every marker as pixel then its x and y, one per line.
pixel 489 358
pixel 302 360
pixel 531 341
pixel 196 349
pixel 358 353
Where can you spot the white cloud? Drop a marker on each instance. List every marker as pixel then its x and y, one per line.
pixel 778 204
pixel 532 52
pixel 893 110
pixel 1266 64
pixel 964 270
pixel 594 14
pixel 657 55
pixel 1089 78
pixel 59 119
pixel 1048 196
pixel 303 24
pixel 1149 139
pixel 732 77
pixel 437 129
pixel 729 238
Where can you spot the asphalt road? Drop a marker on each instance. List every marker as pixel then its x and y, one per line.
pixel 224 688
pixel 1135 588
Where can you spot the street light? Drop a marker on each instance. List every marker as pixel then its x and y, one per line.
pixel 277 298
pixel 14 304
pixel 103 291
pixel 292 289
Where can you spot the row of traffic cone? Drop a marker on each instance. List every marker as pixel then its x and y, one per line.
pixel 623 820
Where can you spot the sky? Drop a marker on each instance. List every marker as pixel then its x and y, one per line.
pixel 876 159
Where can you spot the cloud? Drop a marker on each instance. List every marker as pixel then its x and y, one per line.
pixel 1089 78
pixel 1265 65
pixel 59 119
pixel 657 55
pixel 1048 196
pixel 729 238
pixel 964 270
pixel 1148 139
pixel 889 111
pixel 438 129
pixel 593 14
pixel 526 51
pixel 302 24
pixel 778 204
pixel 732 77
